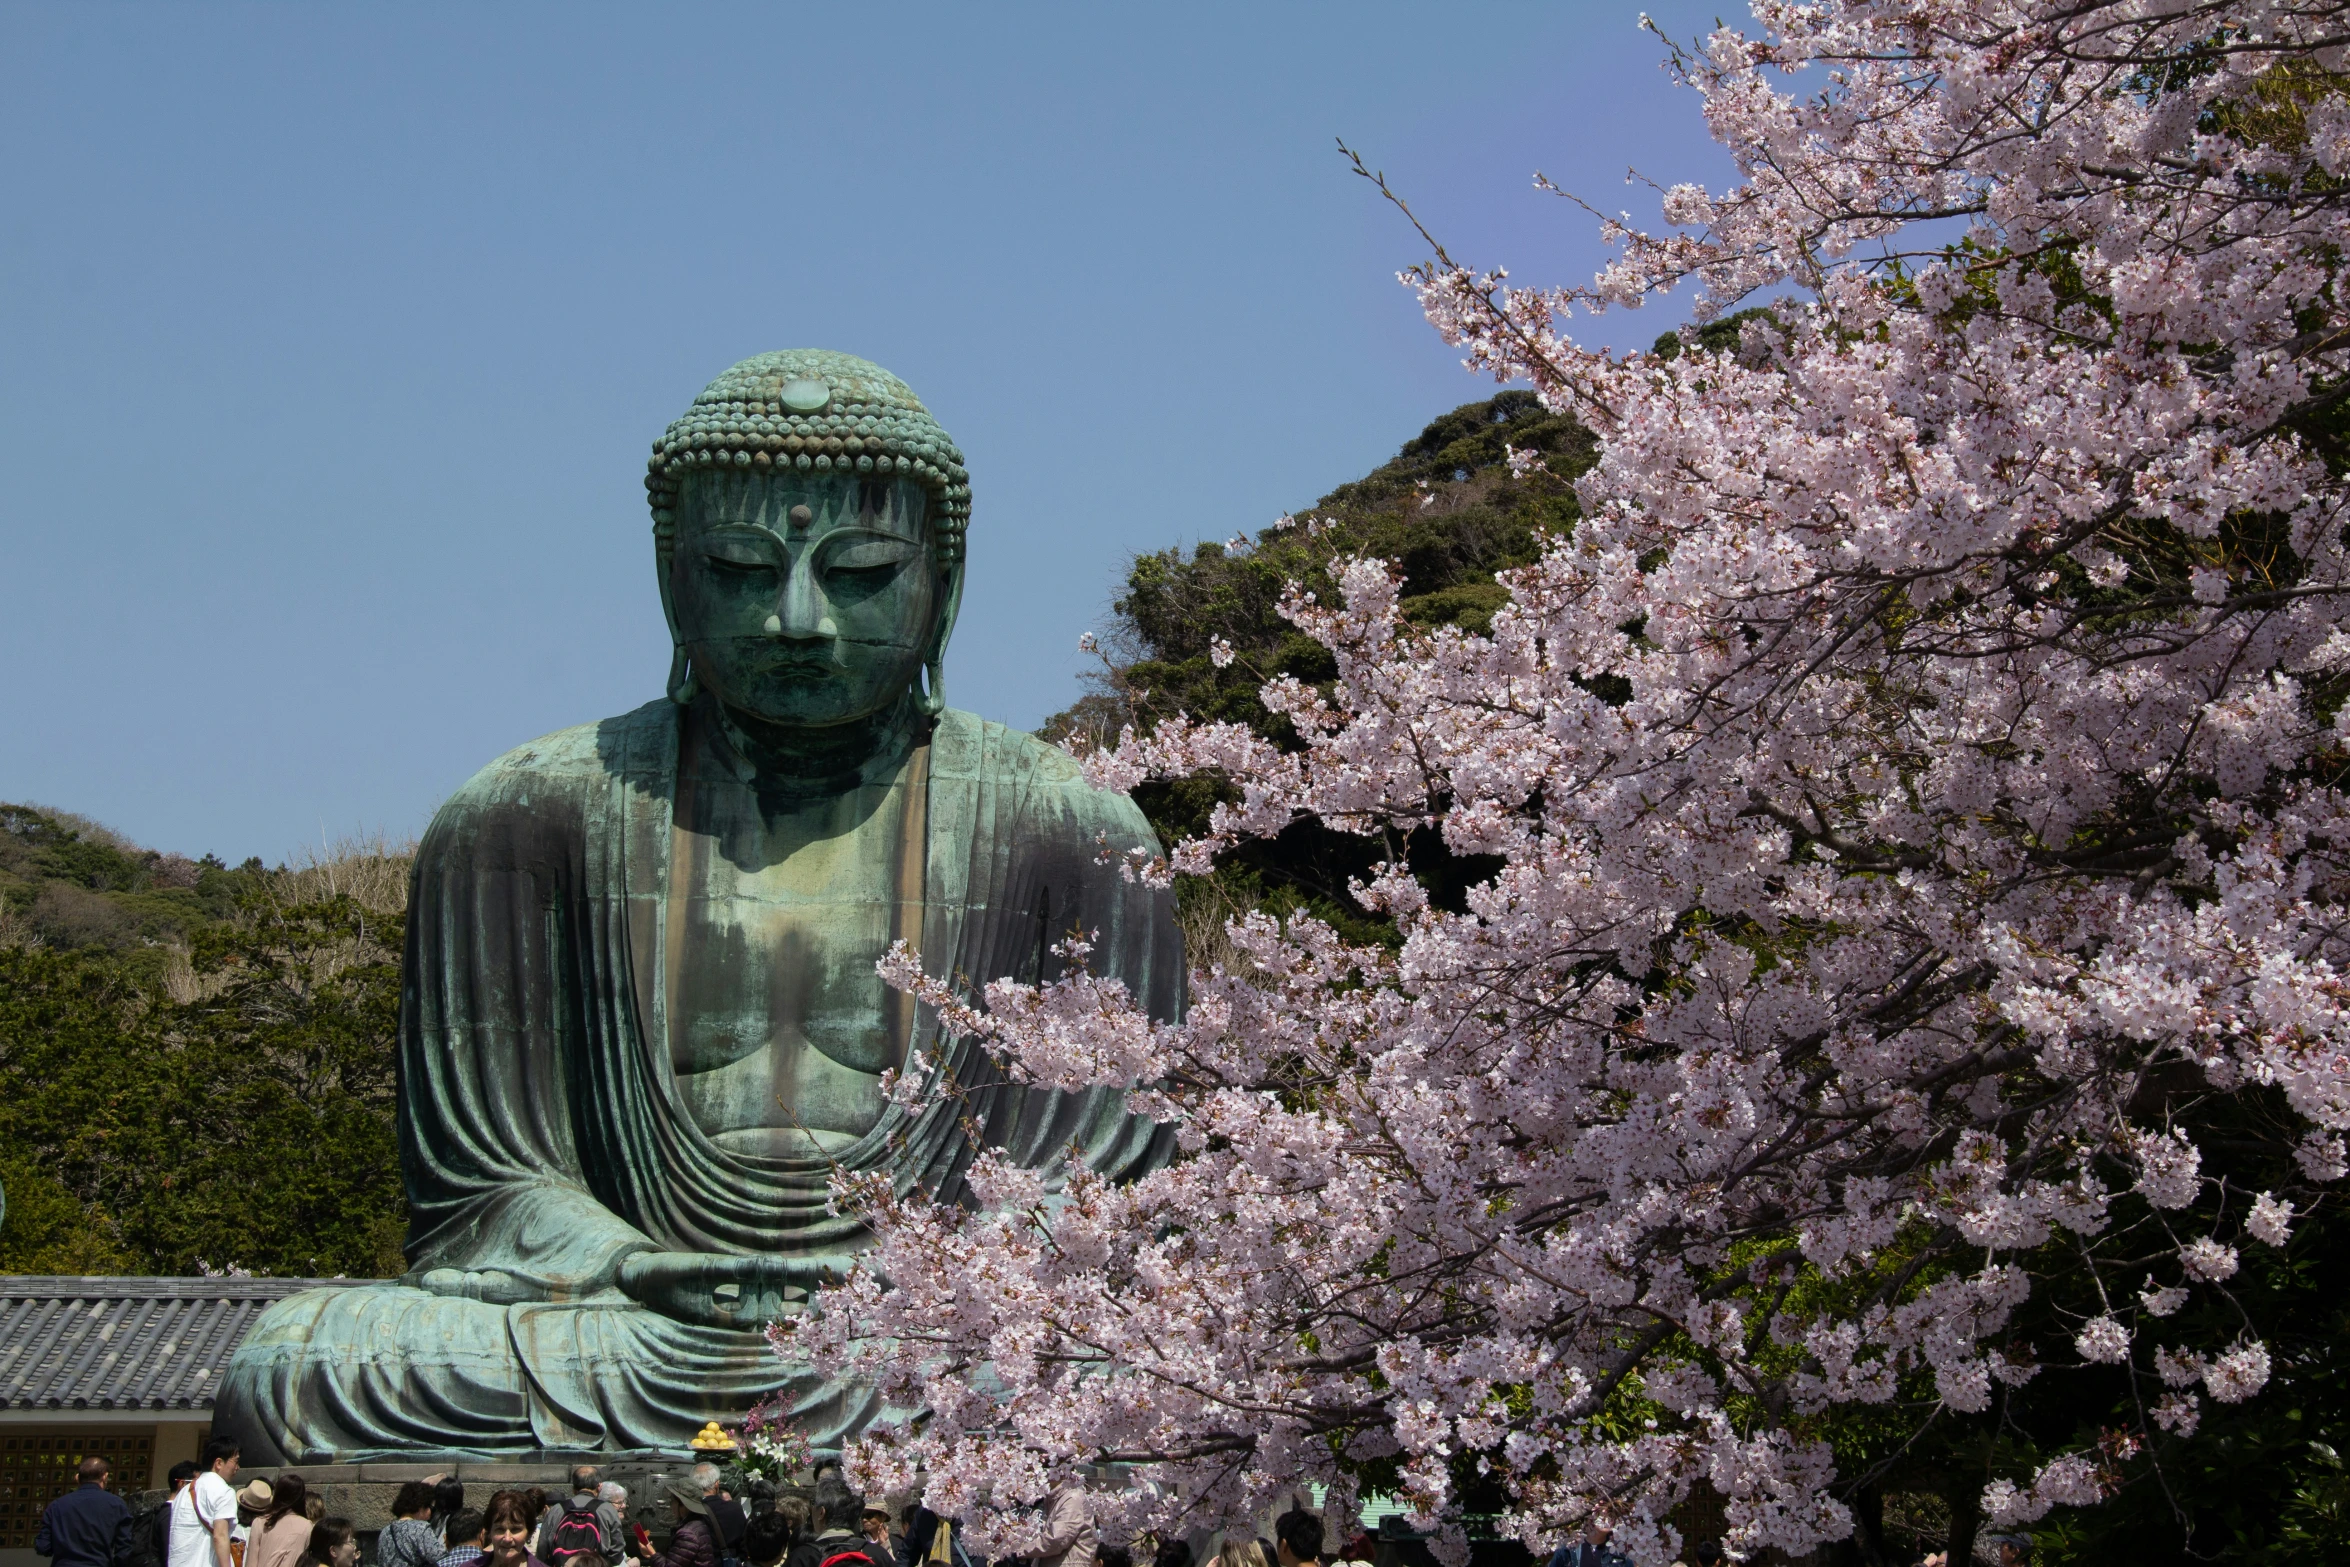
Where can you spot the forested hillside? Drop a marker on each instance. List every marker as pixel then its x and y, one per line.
pixel 195 1059
pixel 1448 511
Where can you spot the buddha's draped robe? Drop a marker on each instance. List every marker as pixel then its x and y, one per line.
pixel 543 1137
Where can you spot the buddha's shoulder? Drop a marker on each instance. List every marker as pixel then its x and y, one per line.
pixel 571 764
pixel 965 745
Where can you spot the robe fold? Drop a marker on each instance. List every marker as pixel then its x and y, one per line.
pixel 543 1138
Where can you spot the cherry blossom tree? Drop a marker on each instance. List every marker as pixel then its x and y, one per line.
pixel 1913 808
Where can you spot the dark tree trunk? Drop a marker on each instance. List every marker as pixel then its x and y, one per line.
pixel 1966 1518
pixel 1868 1527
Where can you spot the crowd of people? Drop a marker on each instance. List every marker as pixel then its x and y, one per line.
pixel 204 1521
pixel 209 1522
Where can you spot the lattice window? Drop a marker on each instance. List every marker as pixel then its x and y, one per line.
pixel 37 1466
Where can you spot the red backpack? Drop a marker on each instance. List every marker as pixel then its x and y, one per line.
pixel 575 1531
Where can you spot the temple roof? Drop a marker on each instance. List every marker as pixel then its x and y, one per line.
pixel 126 1343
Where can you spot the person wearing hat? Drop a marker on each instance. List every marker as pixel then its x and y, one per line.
pixel 280 1535
pixel 873 1523
pixel 252 1502
pixel 694 1542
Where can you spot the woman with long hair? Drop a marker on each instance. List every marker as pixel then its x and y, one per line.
pixel 279 1536
pixel 332 1544
pixel 448 1500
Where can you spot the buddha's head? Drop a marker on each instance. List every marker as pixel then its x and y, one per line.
pixel 808 517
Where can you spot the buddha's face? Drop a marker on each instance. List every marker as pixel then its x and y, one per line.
pixel 805 600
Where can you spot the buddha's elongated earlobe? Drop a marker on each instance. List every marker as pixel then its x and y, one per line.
pixel 934 664
pixel 682 685
pixel 932 700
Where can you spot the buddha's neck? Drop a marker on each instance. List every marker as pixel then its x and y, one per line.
pixel 816 761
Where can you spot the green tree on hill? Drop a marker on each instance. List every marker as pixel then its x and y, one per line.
pixel 1447 511
pixel 196 1062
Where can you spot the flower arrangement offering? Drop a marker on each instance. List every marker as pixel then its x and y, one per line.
pixel 771 1447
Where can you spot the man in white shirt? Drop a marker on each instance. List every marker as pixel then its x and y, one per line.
pixel 204 1513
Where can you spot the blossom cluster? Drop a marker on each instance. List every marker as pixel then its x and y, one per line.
pixel 1909 791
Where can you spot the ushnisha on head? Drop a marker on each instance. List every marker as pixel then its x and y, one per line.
pixel 808 520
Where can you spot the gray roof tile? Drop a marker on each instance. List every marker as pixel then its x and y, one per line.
pixel 130 1343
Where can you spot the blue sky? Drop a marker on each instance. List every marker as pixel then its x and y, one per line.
pixel 332 339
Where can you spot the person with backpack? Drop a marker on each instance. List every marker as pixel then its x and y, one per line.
pixel 150 1539
pixel 587 1520
pixel 88 1526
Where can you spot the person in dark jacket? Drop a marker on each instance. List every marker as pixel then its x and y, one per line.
pixel 726 1514
pixel 831 1521
pixel 930 1538
pixel 873 1524
pixel 767 1540
pixel 89 1526
pixel 695 1542
pixel 1592 1550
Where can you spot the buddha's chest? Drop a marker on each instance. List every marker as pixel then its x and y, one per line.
pixel 777 1019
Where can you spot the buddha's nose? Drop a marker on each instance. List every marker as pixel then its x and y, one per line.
pixel 802 615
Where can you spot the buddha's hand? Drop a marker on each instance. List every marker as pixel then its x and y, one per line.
pixel 716 1288
pixel 494 1285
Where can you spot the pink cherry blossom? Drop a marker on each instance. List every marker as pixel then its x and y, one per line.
pixel 1908 792
pixel 2237 1375
pixel 2271 1219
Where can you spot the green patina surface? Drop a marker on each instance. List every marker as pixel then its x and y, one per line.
pixel 641 1026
